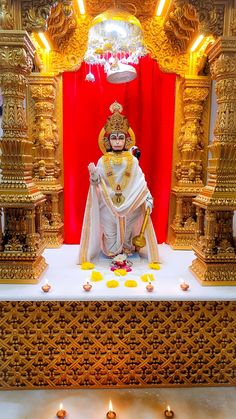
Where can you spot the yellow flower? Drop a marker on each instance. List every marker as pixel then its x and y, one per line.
pixel 87 265
pixel 120 272
pixel 131 283
pixel 154 266
pixel 147 277
pixel 96 276
pixel 112 283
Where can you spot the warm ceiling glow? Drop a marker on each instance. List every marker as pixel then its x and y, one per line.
pixel 44 41
pixel 196 43
pixel 81 7
pixel 160 7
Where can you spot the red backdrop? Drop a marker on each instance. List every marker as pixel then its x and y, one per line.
pixel 148 102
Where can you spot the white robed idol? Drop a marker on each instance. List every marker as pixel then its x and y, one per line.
pixel 112 216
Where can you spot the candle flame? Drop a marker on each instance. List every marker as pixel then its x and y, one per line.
pixel 181 280
pixel 61 406
pixel 46 281
pixel 168 408
pixel 110 406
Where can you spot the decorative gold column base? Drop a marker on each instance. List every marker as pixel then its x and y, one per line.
pixel 214 274
pixel 53 236
pixel 181 238
pixel 14 271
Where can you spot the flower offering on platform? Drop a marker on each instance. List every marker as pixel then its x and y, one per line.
pixel 147 277
pixel 154 266
pixel 131 283
pixel 96 276
pixel 120 272
pixel 87 265
pixel 113 283
pixel 120 262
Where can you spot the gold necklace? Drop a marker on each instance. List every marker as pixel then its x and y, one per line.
pixel 116 159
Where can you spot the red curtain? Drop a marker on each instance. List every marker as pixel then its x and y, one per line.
pixel 148 102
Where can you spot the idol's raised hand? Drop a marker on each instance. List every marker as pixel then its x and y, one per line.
pixel 94 176
pixel 92 168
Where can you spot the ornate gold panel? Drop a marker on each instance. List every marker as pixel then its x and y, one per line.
pixel 215 246
pixel 60 26
pixel 190 155
pixel 137 7
pixel 117 344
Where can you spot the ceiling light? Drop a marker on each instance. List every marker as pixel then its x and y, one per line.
pixel 44 41
pixel 116 42
pixel 160 7
pixel 81 7
pixel 196 43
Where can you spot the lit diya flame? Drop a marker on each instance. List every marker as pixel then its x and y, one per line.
pixel 61 412
pixel 169 413
pixel 46 287
pixel 183 285
pixel 111 414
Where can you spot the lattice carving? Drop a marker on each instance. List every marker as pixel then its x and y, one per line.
pixel 119 343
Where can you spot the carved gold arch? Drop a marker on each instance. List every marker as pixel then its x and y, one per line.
pixel 166 38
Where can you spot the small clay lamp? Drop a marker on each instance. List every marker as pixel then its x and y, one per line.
pixel 61 413
pixel 169 413
pixel 87 287
pixel 149 287
pixel 183 285
pixel 46 287
pixel 111 414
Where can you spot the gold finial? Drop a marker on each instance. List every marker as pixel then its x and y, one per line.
pixel 116 107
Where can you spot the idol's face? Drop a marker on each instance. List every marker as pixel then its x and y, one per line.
pixel 117 140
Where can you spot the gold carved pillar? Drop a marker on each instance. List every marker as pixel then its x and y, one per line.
pixel 191 151
pixel 46 168
pixel 215 248
pixel 21 258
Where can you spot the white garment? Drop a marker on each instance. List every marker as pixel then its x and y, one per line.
pixel 110 228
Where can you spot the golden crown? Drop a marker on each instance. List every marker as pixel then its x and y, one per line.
pixel 116 122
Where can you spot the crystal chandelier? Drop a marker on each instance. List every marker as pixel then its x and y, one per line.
pixel 115 41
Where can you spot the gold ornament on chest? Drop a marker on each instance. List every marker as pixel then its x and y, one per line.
pixel 118 198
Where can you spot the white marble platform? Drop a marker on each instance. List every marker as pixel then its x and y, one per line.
pixel 67 278
pixel 149 403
